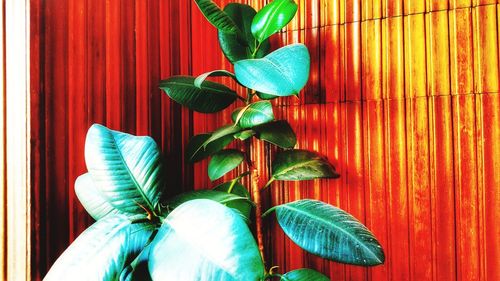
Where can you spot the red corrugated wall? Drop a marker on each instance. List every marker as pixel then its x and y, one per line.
pixel 403 98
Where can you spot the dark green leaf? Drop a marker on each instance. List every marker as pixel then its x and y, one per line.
pixel 273 17
pixel 263 96
pixel 283 72
pixel 222 132
pixel 224 161
pixel 329 232
pixel 278 133
pixel 245 207
pixel 300 164
pixel 128 170
pixel 243 135
pixel 102 251
pixel 216 16
pixel 304 274
pixel 204 145
pixel 204 240
pixel 216 73
pixel 212 97
pixel 241 46
pixel 254 114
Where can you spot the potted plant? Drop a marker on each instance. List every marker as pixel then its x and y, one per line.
pixel 207 234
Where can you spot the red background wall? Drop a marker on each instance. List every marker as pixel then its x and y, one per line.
pixel 403 99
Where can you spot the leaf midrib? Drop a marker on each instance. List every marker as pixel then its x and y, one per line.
pixel 268 22
pixel 307 214
pixel 302 164
pixel 227 92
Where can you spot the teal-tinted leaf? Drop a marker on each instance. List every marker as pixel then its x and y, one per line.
pixel 254 114
pixel 329 232
pixel 304 274
pixel 224 161
pixel 278 133
pixel 216 73
pixel 128 170
pixel 212 97
pixel 216 16
pixel 300 164
pixel 283 72
pixel 204 145
pixel 241 46
pixel 204 240
pixel 273 17
pixel 138 268
pixel 245 207
pixel 243 135
pixel 102 251
pixel 92 199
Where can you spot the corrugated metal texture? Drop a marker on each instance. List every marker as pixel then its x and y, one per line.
pixel 403 98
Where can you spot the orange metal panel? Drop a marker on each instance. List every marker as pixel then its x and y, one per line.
pixel 352 10
pixel 438 53
pixel 333 62
pixel 461 51
pixel 436 5
pixel 371 59
pixel 371 9
pixel 353 61
pixel 486 73
pixel 456 4
pixel 415 63
pixel 392 8
pixel 414 7
pixel 331 12
pixel 393 58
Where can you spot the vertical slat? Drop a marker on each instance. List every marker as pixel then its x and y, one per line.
pixel 438 53
pixel 3 156
pixel 114 96
pixel 371 59
pixel 393 58
pixel 461 51
pixel 353 61
pixel 415 63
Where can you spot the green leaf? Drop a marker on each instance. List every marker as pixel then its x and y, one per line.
pixel 128 170
pixel 224 161
pixel 241 46
pixel 245 207
pixel 273 17
pixel 138 268
pixel 222 132
pixel 204 240
pixel 263 96
pixel 329 232
pixel 216 73
pixel 304 274
pixel 204 145
pixel 283 72
pixel 300 164
pixel 243 135
pixel 278 133
pixel 216 16
pixel 254 114
pixel 102 251
pixel 92 199
pixel 212 97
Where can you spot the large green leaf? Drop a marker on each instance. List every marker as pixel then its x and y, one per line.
pixel 224 161
pixel 204 240
pixel 329 232
pixel 300 164
pixel 241 46
pixel 211 97
pixel 278 133
pixel 254 114
pixel 138 268
pixel 216 16
pixel 245 207
pixel 102 251
pixel 128 170
pixel 92 199
pixel 232 200
pixel 204 145
pixel 283 72
pixel 304 274
pixel 273 17
pixel 198 82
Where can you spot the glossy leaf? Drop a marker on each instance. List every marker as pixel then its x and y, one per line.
pixel 300 164
pixel 329 232
pixel 243 135
pixel 263 96
pixel 128 170
pixel 138 268
pixel 245 207
pixel 204 240
pixel 283 72
pixel 273 17
pixel 254 114
pixel 204 145
pixel 216 16
pixel 241 46
pixel 92 199
pixel 102 251
pixel 211 97
pixel 278 133
pixel 198 82
pixel 304 274
pixel 224 161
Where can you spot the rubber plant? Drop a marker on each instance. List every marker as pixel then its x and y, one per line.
pixel 206 235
